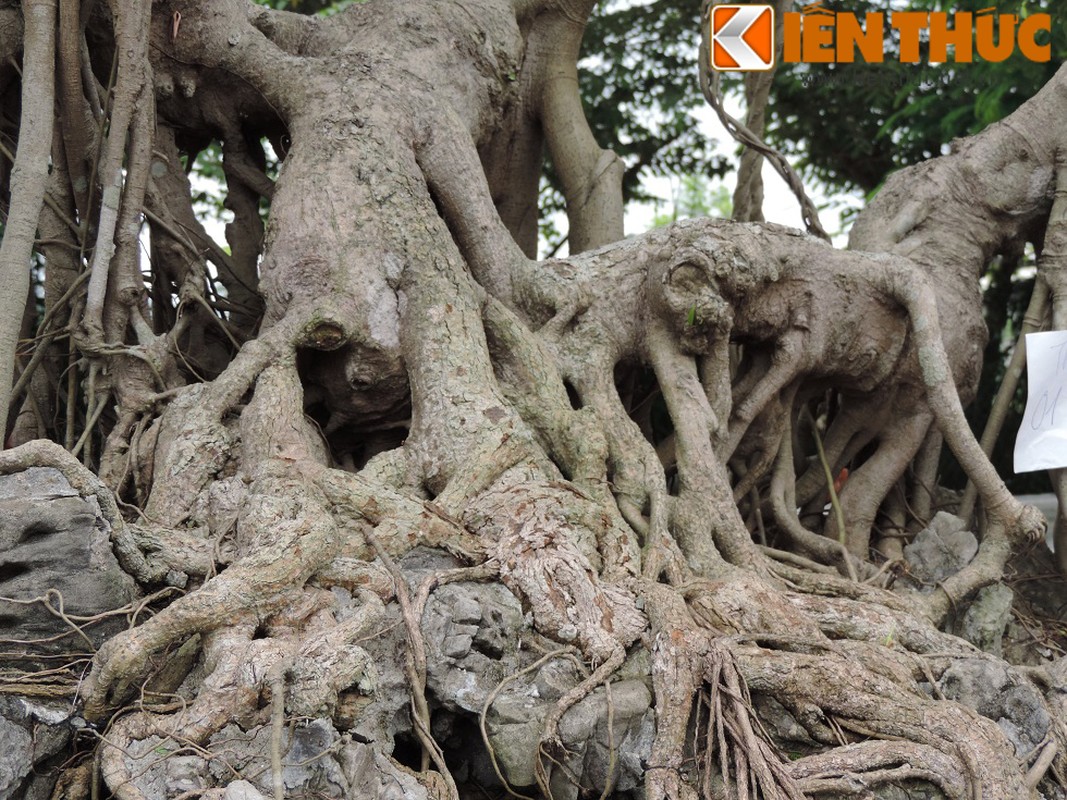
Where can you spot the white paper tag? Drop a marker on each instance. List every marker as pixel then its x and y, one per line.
pixel 1042 440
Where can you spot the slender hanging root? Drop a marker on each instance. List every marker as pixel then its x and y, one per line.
pixel 783 501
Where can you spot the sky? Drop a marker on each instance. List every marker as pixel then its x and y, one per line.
pixel 779 204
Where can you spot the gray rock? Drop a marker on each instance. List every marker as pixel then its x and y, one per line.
pixel 466 609
pixel 986 618
pixel 473 636
pixel 994 692
pixel 372 776
pixel 146 761
pixel 309 766
pixel 555 678
pixel 185 774
pixel 465 660
pixel 515 745
pixel 17 746
pixel 632 733
pixel 31 733
pixel 304 770
pixel 242 790
pixel 43 483
pixel 940 550
pixel 457 646
pixel 55 544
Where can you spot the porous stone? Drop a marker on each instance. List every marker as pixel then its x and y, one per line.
pixel 940 550
pixel 55 545
pixel 241 790
pixel 984 621
pixel 990 689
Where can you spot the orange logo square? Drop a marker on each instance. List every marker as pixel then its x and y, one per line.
pixel 742 38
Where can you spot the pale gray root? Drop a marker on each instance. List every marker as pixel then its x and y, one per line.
pixel 829 681
pixel 122 195
pixel 783 505
pixel 58 245
pixel 1009 522
pixel 748 194
pixel 29 179
pixel 704 495
pixel 444 326
pixel 257 583
pixel 952 214
pixel 591 175
pixel 454 174
pixel 529 379
pixel 193 444
pixel 811 296
pixel 282 516
pixel 316 655
pixel 1059 486
pixel 547 535
pixel 924 477
pixel 854 769
pixel 687 657
pixel 710 86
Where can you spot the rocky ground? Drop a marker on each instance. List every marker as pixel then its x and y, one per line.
pixel 490 676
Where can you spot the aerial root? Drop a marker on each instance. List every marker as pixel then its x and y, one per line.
pixel 783 503
pixel 738 731
pixel 1046 754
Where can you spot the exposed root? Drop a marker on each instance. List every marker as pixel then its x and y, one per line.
pixel 855 769
pixel 402 328
pixel 856 699
pixel 685 658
